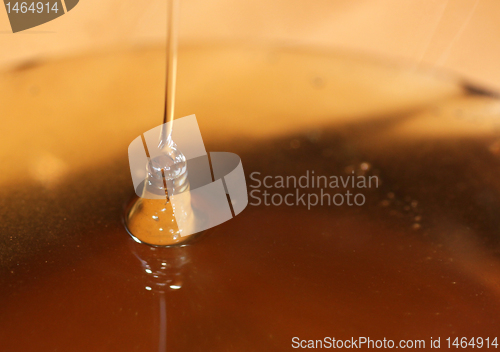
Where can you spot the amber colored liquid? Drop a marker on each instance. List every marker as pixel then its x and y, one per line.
pixel 418 260
pixel 158 227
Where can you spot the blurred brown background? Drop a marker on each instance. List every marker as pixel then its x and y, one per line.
pixel 463 36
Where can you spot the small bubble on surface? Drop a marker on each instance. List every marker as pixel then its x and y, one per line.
pixel 318 82
pixel 494 148
pixel 365 166
pixel 349 169
pixel 385 203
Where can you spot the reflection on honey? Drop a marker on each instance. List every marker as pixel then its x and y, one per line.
pixel 155 223
pixel 72 278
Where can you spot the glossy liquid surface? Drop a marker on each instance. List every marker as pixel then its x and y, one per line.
pixel 419 259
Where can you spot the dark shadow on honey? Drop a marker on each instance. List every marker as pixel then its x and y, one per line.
pixel 76 213
pixel 75 210
pixel 271 272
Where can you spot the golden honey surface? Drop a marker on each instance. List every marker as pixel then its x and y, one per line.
pixel 419 259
